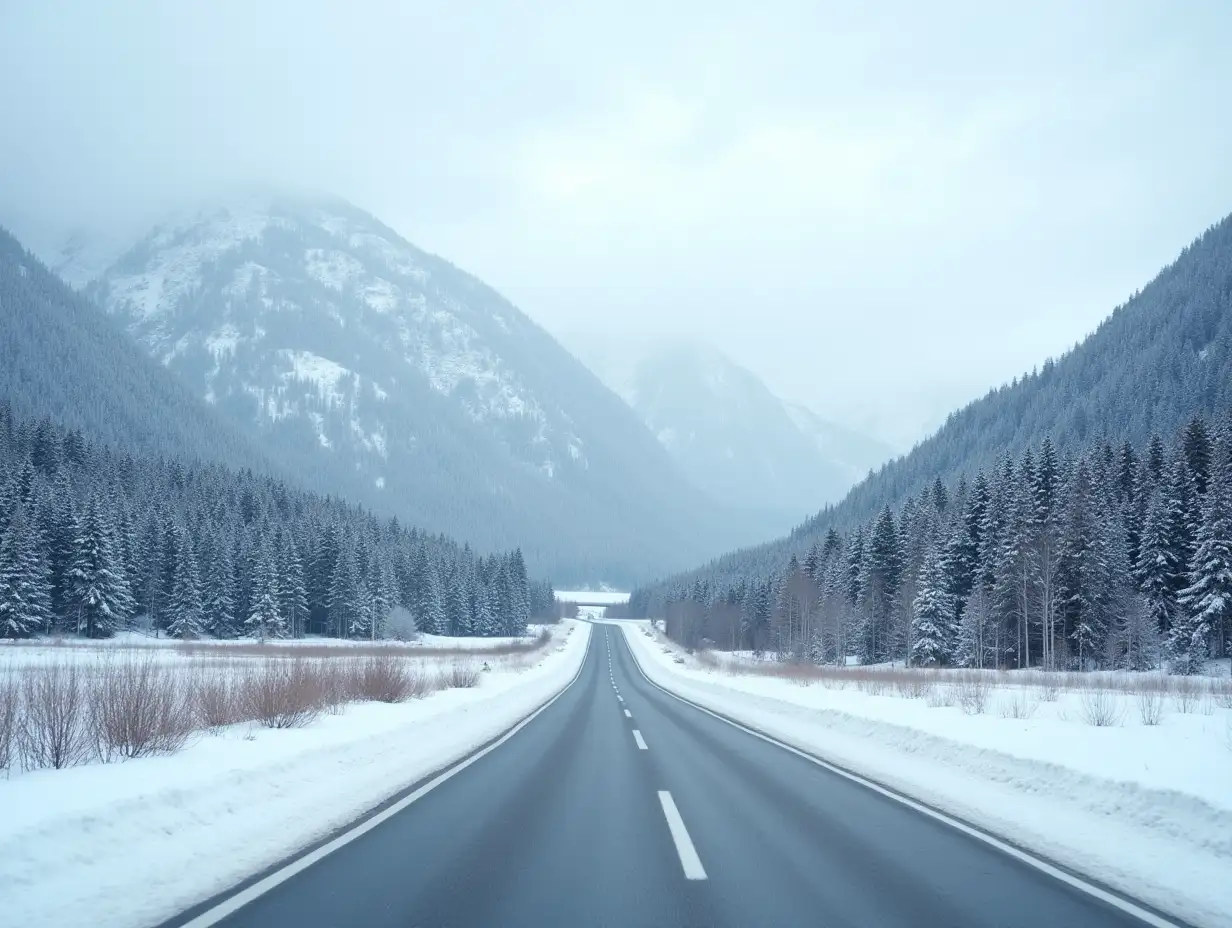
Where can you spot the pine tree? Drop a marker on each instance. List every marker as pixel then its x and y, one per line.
pixel 457 602
pixel 264 617
pixel 186 611
pixel 293 590
pixel 519 615
pixel 1158 570
pixel 218 599
pixel 1196 448
pixel 25 588
pixel 932 622
pixel 344 591
pixel 100 596
pixel 1078 569
pixel 883 574
pixel 1205 605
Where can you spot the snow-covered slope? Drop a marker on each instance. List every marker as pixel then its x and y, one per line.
pixel 727 431
pixel 399 380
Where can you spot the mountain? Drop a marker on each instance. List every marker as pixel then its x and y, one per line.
pixel 729 434
pixel 1157 361
pixel 399 381
pixel 61 359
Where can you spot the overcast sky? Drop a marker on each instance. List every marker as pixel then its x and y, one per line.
pixel 883 209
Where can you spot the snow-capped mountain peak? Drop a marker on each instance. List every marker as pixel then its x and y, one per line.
pixel 314 312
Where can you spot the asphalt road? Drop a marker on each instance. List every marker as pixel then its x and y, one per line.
pixel 572 822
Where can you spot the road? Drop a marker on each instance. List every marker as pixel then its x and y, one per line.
pixel 621 805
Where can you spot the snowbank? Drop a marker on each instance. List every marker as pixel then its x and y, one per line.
pixel 133 843
pixel 1146 810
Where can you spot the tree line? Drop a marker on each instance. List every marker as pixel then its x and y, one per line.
pixel 1119 557
pixel 95 540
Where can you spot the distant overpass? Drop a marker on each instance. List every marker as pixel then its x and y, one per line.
pixel 592 597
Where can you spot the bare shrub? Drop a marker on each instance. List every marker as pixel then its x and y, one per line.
pixel 1221 693
pixel 216 691
pixel 285 693
pixel 973 695
pixel 1050 687
pixel 1150 705
pixel 939 696
pixel 383 678
pixel 1186 696
pixel 914 686
pixel 460 676
pixel 10 718
pixel 1018 704
pixel 55 726
pixel 1101 708
pixel 138 708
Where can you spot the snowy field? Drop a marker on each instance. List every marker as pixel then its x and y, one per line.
pixel 135 841
pixel 1123 780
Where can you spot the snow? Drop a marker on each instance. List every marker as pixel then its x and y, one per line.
pixel 318 423
pixel 324 373
pixel 382 296
pixel 134 843
pixel 175 268
pixel 334 269
pixel 1146 810
pixel 380 483
pixel 222 341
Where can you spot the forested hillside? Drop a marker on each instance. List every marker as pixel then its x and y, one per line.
pixel 1157 361
pixel 61 358
pixel 1109 557
pixel 94 540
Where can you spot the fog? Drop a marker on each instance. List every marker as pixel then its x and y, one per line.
pixel 882 210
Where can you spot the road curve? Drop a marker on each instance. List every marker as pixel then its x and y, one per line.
pixel 620 805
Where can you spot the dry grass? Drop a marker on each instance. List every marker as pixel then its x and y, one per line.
pixel 912 682
pixel 120 702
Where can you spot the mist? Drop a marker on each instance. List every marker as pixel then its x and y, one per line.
pixel 847 202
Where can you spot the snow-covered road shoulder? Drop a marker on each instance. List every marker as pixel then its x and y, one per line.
pixel 1087 803
pixel 134 843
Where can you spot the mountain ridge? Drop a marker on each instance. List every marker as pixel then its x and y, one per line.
pixel 418 387
pixel 1158 359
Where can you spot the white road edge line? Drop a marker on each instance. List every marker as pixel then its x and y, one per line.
pixel 232 904
pixel 641 742
pixel 692 864
pixel 628 714
pixel 1118 902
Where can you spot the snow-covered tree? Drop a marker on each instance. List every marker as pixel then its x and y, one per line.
pixel 1205 606
pixel 99 596
pixel 25 588
pixel 186 610
pixel 932 623
pixel 265 618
